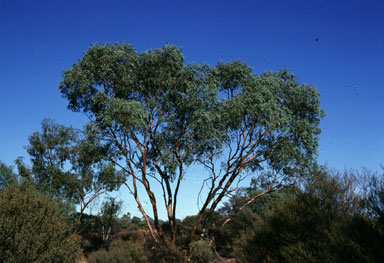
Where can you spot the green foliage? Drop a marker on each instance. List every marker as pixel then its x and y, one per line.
pixel 7 176
pixel 276 103
pixel 120 252
pixel 321 222
pixel 375 200
pixel 260 206
pixel 109 212
pixel 225 238
pixel 242 220
pixel 49 151
pixel 32 230
pixel 357 239
pixel 162 254
pixel 184 229
pixel 91 237
pixel 69 165
pixel 265 203
pixel 159 116
pixel 123 91
pixel 212 228
pixel 200 252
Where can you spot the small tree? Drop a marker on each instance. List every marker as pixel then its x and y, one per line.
pixel 7 176
pixel 69 165
pixel 32 230
pixel 109 212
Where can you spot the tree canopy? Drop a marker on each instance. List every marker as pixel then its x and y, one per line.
pixel 161 115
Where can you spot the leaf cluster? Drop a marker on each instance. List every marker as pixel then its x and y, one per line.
pixel 186 112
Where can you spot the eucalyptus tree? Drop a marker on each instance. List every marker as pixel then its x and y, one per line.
pixel 69 165
pixel 48 150
pixel 7 176
pixel 162 115
pixel 109 212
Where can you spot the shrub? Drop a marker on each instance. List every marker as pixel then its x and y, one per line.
pixel 32 230
pixel 323 222
pixel 120 252
pixel 357 240
pixel 200 252
pixel 161 254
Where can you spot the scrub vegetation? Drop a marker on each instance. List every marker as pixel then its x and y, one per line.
pixel 151 116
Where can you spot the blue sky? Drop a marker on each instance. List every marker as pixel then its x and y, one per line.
pixel 338 46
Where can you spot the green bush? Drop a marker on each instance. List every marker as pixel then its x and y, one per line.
pixel 320 223
pixel 120 252
pixel 32 230
pixel 357 240
pixel 200 252
pixel 157 253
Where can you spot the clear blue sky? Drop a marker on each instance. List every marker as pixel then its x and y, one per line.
pixel 338 46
